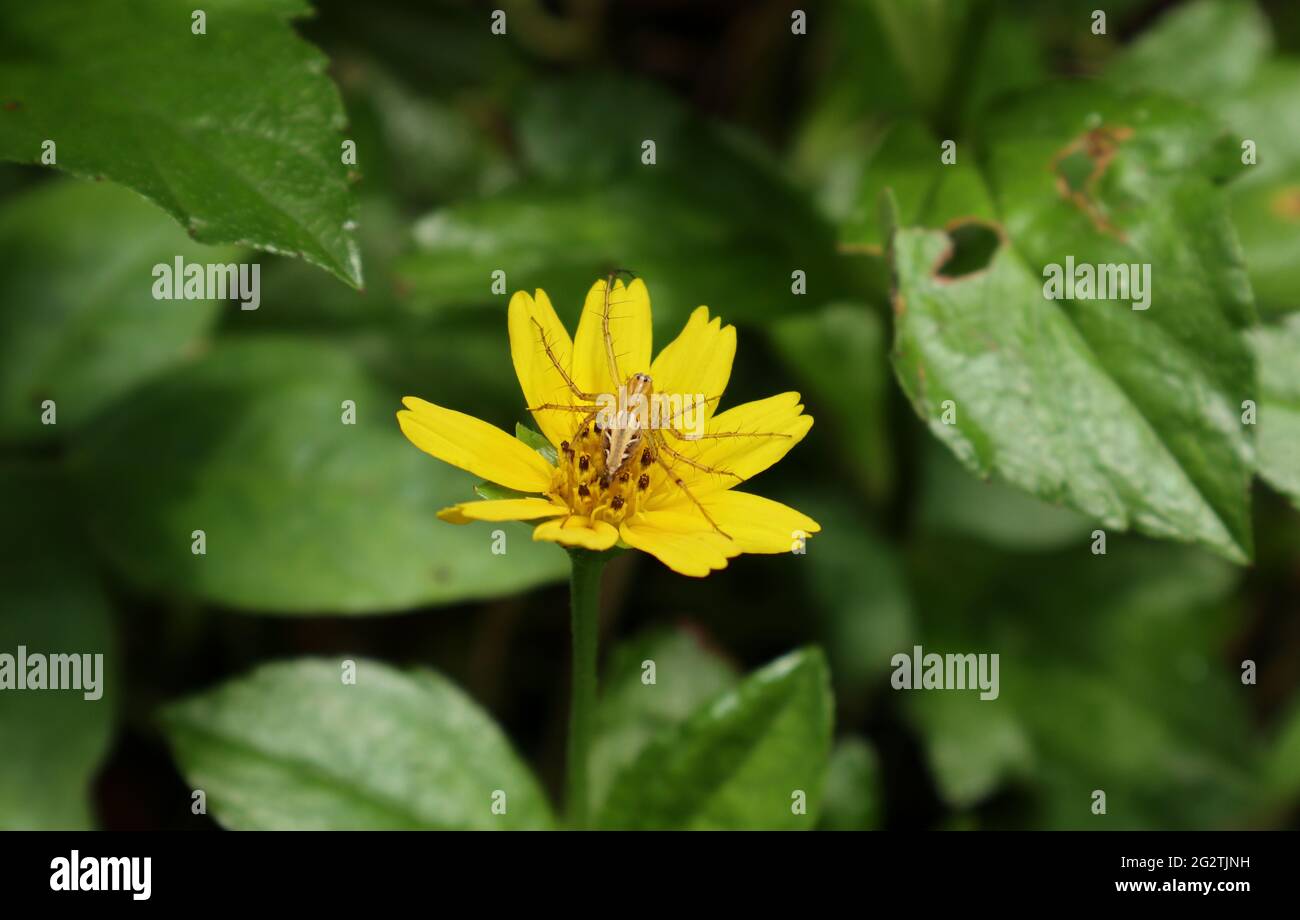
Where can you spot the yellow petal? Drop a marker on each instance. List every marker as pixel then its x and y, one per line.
pixel 474 445
pixel 539 378
pixel 679 542
pixel 757 524
pixel 697 362
pixel 629 328
pixel 504 509
pixel 577 530
pixel 776 424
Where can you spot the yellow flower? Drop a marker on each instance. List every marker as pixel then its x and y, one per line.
pixel 675 501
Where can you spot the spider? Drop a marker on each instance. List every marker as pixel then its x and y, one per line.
pixel 623 438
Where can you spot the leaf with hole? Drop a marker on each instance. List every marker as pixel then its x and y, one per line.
pixel 1127 414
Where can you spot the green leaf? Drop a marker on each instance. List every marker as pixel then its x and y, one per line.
pixel 737 762
pixel 852 801
pixel 536 441
pixel 851 408
pixel 632 711
pixel 1277 349
pixel 493 492
pixel 79 324
pixel 927 192
pixel 1071 400
pixel 855 137
pixel 925 37
pixel 302 514
pixel 237 133
pixel 711 222
pixel 291 746
pixel 54 740
pixel 1110 677
pixel 1217 53
pixel 1203 49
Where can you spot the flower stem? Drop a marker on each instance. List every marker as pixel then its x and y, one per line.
pixel 584 592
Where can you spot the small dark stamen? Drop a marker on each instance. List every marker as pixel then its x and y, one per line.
pixel 617 503
pixel 583 462
pixel 643 482
pixel 584 491
pixel 624 476
pixel 647 457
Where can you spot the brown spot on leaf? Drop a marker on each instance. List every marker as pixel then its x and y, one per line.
pixel 1285 203
pixel 1096 148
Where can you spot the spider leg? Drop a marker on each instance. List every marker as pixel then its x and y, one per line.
pixel 610 357
pixel 559 368
pixel 681 484
pixel 704 468
pixel 560 407
pixel 725 434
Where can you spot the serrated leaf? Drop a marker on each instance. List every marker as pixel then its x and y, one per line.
pixel 53 740
pixel 237 133
pixel 739 761
pixel 78 322
pixel 292 747
pixel 301 513
pixel 1129 416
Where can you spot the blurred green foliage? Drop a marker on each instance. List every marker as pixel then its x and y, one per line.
pixel 523 153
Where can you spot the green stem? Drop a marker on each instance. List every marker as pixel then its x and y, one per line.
pixel 584 592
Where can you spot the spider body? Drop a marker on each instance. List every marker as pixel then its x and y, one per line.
pixel 619 441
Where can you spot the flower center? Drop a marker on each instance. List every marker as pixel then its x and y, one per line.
pixel 584 481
